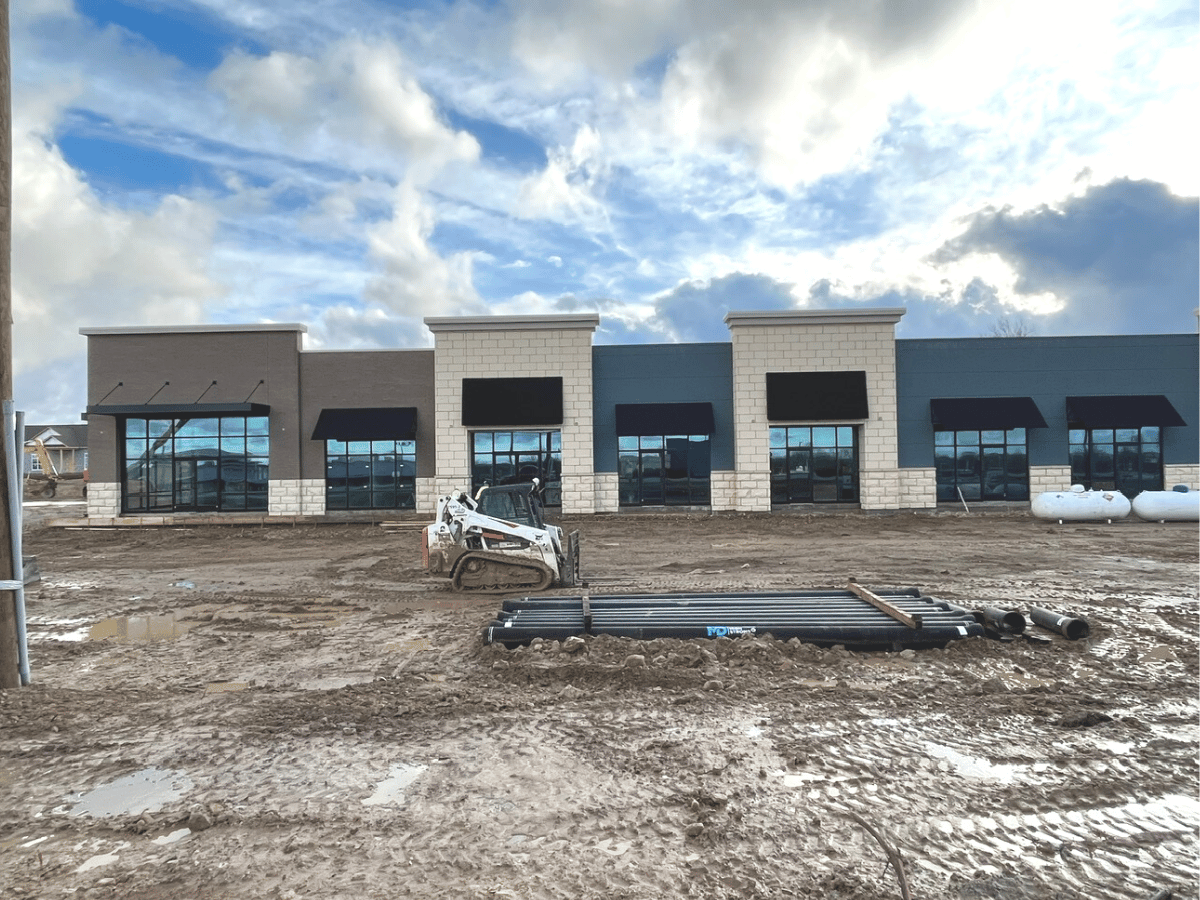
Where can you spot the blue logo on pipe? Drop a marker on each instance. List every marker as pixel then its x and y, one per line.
pixel 727 630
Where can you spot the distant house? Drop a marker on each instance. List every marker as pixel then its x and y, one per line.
pixel 66 445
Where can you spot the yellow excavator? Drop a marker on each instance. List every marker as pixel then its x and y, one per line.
pixel 45 483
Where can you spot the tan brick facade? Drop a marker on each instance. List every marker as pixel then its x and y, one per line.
pixel 1189 475
pixel 1048 478
pixel 815 341
pixel 918 488
pixel 296 497
pixel 516 347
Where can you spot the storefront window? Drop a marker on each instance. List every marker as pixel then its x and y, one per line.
pixel 370 474
pixel 814 464
pixel 516 457
pixel 195 464
pixel 665 470
pixel 981 465
pixel 1125 459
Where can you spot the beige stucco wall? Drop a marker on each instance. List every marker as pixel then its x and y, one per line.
pixel 516 347
pixel 815 341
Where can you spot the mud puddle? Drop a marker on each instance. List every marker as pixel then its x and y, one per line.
pixel 146 791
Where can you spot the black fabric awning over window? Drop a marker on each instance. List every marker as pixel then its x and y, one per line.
pixel 816 396
pixel 503 402
pixel 985 413
pixel 180 410
pixel 637 419
pixel 381 423
pixel 1122 411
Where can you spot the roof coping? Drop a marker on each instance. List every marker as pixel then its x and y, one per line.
pixel 195 329
pixel 578 321
pixel 854 316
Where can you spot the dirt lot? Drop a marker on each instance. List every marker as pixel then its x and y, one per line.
pixel 299 712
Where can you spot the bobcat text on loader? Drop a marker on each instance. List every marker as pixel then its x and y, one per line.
pixel 499 541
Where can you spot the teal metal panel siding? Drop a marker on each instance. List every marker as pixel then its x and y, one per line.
pixel 661 373
pixel 1047 369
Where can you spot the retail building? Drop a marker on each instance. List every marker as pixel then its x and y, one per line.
pixel 799 409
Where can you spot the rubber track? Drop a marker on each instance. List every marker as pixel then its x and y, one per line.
pixel 499 562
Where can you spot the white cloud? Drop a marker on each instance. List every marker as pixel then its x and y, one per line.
pixel 78 262
pixel 564 190
pixel 837 143
pixel 563 41
pixel 357 103
pixel 29 10
pixel 415 280
pixel 346 327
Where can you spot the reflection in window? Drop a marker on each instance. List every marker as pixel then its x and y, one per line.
pixel 516 457
pixel 814 464
pixel 981 465
pixel 1125 459
pixel 370 474
pixel 191 464
pixel 665 470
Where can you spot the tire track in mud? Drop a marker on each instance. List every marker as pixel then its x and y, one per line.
pixel 1074 812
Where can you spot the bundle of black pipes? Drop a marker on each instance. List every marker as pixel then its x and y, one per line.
pixel 823 617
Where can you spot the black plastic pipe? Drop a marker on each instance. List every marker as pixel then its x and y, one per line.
pixel 1070 628
pixel 599 600
pixel 823 617
pixel 864 636
pixel 1007 621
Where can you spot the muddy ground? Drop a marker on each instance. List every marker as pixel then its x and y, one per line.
pixel 299 712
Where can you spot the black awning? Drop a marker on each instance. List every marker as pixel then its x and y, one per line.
pixel 1122 411
pixel 501 402
pixel 181 410
pixel 985 413
pixel 637 419
pixel 377 423
pixel 816 396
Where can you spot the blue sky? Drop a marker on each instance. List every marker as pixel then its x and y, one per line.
pixel 357 166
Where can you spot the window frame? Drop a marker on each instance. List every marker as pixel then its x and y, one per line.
pixel 196 447
pixel 693 489
pixel 1084 444
pixel 547 464
pixel 402 493
pixel 977 488
pixel 799 446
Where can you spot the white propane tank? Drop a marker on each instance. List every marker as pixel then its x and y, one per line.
pixel 1081 505
pixel 1168 506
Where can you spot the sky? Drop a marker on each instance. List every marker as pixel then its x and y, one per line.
pixel 356 166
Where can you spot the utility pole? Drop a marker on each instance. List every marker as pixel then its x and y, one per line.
pixel 10 676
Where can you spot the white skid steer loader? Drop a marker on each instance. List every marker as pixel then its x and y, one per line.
pixel 499 541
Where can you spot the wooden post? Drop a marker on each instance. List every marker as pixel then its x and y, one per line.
pixel 912 621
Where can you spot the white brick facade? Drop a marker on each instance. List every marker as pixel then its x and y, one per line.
pixel 516 347
pixel 296 497
pixel 103 500
pixel 815 341
pixel 1189 475
pixel 724 491
pixel 1048 478
pixel 427 495
pixel 918 488
pixel 608 499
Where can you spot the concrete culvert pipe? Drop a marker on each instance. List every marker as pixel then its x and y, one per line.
pixel 1070 628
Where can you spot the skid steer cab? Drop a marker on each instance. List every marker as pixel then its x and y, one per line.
pixel 499 541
